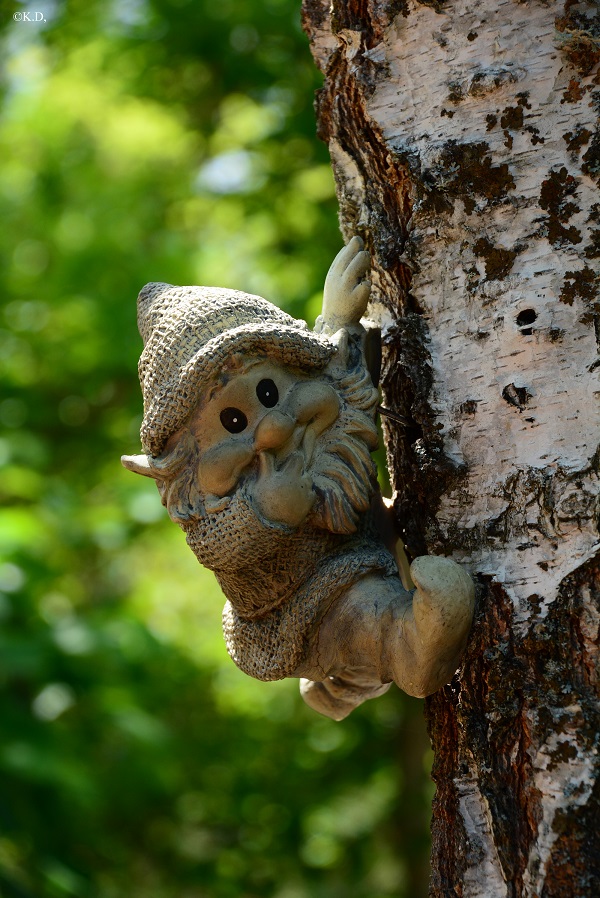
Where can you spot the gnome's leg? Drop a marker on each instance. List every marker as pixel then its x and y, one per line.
pixel 380 632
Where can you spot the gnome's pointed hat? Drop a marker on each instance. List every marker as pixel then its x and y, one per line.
pixel 189 333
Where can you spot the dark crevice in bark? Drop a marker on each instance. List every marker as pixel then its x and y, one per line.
pixel 518 692
pixel 422 471
pixel 381 215
pixel 370 17
pixel 383 223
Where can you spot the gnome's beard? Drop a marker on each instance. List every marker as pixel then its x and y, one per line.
pixel 258 565
pixel 234 538
pixel 238 537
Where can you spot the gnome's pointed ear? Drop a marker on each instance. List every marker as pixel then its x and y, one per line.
pixel 139 464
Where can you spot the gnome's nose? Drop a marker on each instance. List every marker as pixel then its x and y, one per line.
pixel 273 431
pixel 314 404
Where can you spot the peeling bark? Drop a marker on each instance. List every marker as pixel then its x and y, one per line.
pixel 465 143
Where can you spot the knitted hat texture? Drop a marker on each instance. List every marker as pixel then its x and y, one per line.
pixel 189 334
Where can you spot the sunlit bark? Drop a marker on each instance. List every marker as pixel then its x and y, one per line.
pixel 466 148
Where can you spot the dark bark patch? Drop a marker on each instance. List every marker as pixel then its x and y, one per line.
pixel 393 8
pixel 513 695
pixel 350 15
pixel 574 92
pixel 498 261
pixel 370 17
pixel 472 35
pixel 592 250
pixel 574 866
pixel 583 284
pixel 517 396
pixel 469 407
pixel 577 138
pixel 535 135
pixel 580 40
pixel 512 118
pixel 580 284
pixel 492 121
pixel 314 13
pixel 489 79
pixel 455 92
pixel 555 199
pixel 435 5
pixel 591 158
pixel 575 858
pixel 465 171
pixel 496 685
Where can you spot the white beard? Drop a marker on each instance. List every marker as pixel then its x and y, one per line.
pixel 345 475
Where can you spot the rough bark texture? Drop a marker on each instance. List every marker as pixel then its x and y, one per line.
pixel 466 148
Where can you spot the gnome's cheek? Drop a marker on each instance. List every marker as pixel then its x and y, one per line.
pixel 283 496
pixel 221 467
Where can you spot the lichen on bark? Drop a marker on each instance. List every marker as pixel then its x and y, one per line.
pixel 464 139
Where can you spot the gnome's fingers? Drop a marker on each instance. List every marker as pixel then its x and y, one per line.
pixel 356 269
pixel 346 293
pixel 360 296
pixel 349 266
pixel 345 256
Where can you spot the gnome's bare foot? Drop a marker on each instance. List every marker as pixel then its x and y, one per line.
pixel 336 697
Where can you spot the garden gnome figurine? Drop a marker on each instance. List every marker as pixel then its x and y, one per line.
pixel 259 435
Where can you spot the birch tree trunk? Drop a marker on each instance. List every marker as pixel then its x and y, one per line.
pixel 466 149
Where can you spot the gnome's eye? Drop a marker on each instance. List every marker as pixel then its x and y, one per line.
pixel 233 420
pixel 267 393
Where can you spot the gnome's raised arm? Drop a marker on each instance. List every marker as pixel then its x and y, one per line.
pixel 347 289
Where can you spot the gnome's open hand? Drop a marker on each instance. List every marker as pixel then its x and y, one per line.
pixel 283 495
pixel 443 605
pixel 347 287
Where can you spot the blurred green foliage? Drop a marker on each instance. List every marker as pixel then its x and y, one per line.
pixel 158 140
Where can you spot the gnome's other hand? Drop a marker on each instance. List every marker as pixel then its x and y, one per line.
pixel 347 287
pixel 284 495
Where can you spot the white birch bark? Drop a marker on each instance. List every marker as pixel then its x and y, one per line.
pixel 466 147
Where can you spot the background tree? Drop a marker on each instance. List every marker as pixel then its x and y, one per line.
pixel 158 141
pixel 466 149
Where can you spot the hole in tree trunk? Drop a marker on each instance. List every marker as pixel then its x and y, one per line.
pixel 525 318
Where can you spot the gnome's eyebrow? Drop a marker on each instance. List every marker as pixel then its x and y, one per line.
pixel 233 366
